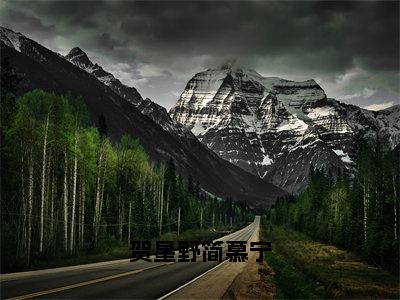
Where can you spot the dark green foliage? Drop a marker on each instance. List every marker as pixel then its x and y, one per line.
pixel 304 268
pixel 8 84
pixel 292 283
pixel 71 192
pixel 102 126
pixel 359 213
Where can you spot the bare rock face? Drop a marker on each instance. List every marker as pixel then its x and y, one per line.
pixel 151 109
pixel 80 59
pixel 277 128
pixel 127 112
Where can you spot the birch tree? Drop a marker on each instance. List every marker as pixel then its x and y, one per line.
pixel 42 203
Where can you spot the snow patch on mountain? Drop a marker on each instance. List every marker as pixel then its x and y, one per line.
pixel 198 129
pixel 292 124
pixel 11 38
pixel 267 125
pixel 343 156
pixel 267 160
pixel 156 112
pixel 318 112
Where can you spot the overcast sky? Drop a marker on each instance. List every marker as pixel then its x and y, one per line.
pixel 351 49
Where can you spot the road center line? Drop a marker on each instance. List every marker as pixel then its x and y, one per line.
pixel 80 284
pixel 98 280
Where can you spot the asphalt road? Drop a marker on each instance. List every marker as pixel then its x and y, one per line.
pixel 133 280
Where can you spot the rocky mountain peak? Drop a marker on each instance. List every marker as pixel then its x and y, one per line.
pixel 78 54
pixel 276 128
pixel 11 39
pixel 156 112
pixel 79 58
pixel 76 51
pixel 162 138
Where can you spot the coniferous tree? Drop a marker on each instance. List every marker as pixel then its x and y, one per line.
pixel 74 191
pixel 358 213
pixel 102 126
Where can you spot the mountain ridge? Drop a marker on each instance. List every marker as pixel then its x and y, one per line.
pixel 276 128
pixel 148 107
pixel 42 68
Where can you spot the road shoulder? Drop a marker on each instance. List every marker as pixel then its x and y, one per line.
pixel 219 282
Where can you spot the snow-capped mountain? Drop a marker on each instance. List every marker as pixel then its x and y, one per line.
pixel 156 112
pixel 41 68
pixel 277 128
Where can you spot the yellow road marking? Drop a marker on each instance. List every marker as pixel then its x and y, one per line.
pixel 72 286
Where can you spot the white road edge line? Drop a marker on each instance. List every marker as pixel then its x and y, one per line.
pixel 33 273
pixel 191 281
pixel 201 275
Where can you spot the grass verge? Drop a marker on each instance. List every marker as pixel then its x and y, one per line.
pixel 307 269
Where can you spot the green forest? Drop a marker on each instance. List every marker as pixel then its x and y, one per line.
pixel 68 190
pixel 357 213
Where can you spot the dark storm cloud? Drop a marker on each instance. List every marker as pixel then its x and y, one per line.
pixel 71 13
pixel 337 33
pixel 348 46
pixel 28 23
pixel 105 41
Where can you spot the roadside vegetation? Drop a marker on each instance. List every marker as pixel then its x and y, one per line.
pixel 359 213
pixel 303 268
pixel 115 250
pixel 69 191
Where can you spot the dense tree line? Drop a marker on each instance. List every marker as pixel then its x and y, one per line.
pixel 359 212
pixel 66 189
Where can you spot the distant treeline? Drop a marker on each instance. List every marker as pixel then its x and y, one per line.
pixel 67 189
pixel 359 213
